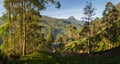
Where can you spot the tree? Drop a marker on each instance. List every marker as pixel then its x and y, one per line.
pixel 71 32
pixel 89 12
pixel 49 39
pixel 108 7
pixel 21 12
pixel 118 7
pixel 110 14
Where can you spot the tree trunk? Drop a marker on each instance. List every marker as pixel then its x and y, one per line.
pixel 88 39
pixel 10 23
pixel 25 38
pixel 21 27
pixel 88 47
pixel 25 23
pixel 13 29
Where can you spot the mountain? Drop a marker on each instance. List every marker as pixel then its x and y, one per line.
pixel 74 21
pixel 58 26
pixel 71 21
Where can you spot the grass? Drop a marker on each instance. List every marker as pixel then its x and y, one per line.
pixel 43 57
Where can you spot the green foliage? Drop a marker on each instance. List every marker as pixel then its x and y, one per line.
pixel 73 46
pixel 6 46
pixel 39 32
pixel 23 16
pixel 3 29
pixel 108 7
pixel 49 39
pixel 50 58
pixel 102 34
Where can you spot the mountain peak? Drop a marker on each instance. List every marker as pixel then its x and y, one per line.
pixel 72 17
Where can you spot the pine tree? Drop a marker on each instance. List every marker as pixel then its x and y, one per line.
pixel 89 12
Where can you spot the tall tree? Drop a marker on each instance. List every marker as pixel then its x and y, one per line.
pixel 89 12
pixel 21 10
pixel 108 7
pixel 110 14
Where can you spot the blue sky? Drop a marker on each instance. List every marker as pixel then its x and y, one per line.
pixel 71 8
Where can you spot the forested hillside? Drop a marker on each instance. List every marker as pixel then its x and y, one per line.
pixel 58 26
pixel 100 34
pixel 27 37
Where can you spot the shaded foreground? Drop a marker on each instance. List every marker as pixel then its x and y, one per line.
pixel 44 57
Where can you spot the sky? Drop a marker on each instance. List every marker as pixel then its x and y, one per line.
pixel 71 8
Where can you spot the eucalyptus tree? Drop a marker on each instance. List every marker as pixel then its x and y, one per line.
pixel 24 11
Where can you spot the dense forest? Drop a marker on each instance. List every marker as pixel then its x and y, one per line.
pixel 27 37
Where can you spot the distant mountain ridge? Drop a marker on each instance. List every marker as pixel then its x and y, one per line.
pixel 73 20
pixel 59 25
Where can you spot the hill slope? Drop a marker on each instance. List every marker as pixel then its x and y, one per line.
pixel 58 26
